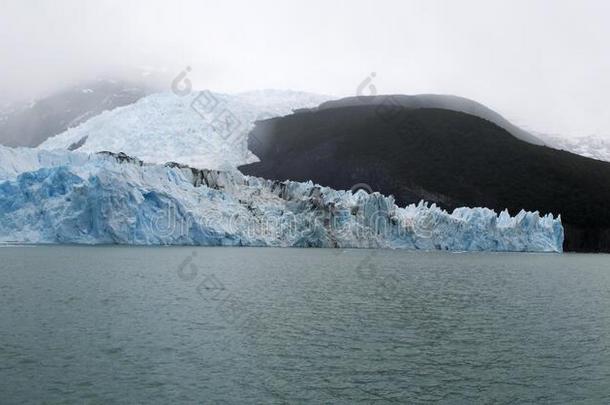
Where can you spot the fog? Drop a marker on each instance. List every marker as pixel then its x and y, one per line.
pixel 543 64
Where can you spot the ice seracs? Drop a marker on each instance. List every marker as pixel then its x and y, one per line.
pixel 201 129
pixel 69 197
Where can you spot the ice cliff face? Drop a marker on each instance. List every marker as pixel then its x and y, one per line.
pixel 68 197
pixel 14 161
pixel 201 129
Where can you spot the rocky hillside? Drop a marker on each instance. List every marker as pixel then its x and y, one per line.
pixel 448 157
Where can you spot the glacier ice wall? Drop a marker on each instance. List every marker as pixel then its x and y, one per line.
pixel 105 198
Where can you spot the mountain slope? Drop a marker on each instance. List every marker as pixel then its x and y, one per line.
pixel 388 105
pixel 202 129
pixel 447 157
pixel 32 123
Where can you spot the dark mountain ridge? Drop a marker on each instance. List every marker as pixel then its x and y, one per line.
pixel 448 157
pixel 388 103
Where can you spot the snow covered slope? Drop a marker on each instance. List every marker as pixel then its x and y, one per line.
pixel 107 198
pixel 589 146
pixel 202 129
pixel 31 123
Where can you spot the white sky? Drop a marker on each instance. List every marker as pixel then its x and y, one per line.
pixel 543 64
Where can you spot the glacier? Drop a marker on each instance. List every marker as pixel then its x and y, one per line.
pixel 201 129
pixel 108 198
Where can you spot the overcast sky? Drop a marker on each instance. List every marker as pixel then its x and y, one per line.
pixel 543 64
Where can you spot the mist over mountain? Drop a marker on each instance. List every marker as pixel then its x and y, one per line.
pixel 31 123
pixel 595 147
pixel 448 157
pixel 388 104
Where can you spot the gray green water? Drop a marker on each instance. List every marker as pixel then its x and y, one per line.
pixel 244 325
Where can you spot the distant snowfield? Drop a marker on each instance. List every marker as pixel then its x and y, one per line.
pixel 591 146
pixel 202 129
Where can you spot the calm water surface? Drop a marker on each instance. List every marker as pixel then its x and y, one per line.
pixel 245 325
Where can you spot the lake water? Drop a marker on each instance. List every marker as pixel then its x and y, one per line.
pixel 247 325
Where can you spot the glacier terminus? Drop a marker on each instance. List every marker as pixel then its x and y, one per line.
pixel 55 196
